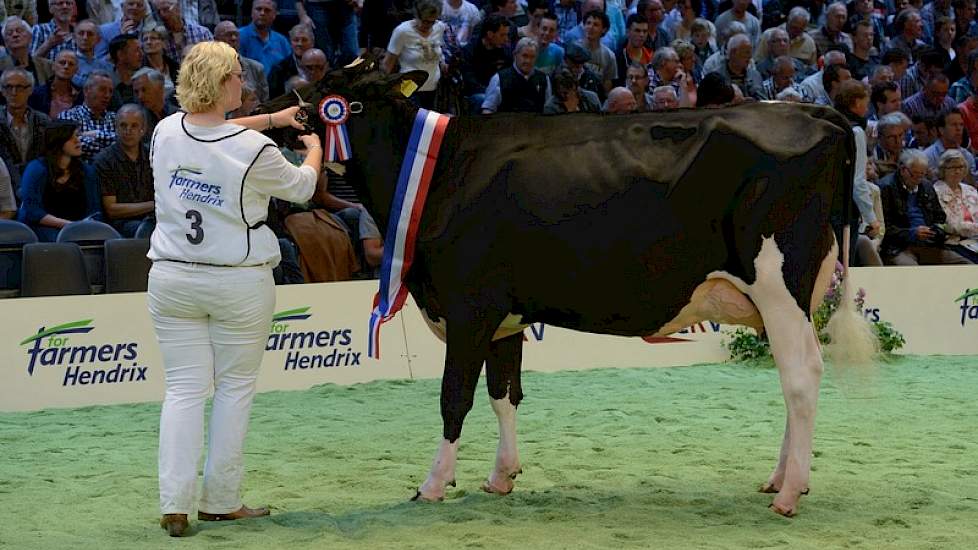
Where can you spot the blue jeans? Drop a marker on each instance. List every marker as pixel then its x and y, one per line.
pixel 336 30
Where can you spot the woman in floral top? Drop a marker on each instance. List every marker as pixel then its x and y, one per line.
pixel 960 203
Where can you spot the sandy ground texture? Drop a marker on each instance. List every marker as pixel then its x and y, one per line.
pixel 629 458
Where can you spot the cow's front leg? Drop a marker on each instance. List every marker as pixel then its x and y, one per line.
pixel 442 472
pixel 774 482
pixel 505 392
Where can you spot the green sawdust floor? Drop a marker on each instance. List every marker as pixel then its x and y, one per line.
pixel 639 458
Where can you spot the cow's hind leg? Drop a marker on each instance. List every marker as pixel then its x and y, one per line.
pixel 467 346
pixel 799 361
pixel 505 392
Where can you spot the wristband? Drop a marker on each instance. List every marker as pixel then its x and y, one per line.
pixel 314 146
pixel 270 121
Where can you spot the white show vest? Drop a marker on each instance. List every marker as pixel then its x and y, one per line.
pixel 207 210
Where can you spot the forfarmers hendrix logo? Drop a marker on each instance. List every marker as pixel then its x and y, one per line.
pixel 310 349
pixel 84 364
pixel 969 304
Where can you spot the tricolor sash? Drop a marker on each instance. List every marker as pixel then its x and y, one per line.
pixel 402 228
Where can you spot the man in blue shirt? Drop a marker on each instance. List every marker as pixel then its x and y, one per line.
pixel 259 41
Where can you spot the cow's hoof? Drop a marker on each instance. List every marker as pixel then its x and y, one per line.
pixel 782 511
pixel 770 488
pixel 502 486
pixel 419 496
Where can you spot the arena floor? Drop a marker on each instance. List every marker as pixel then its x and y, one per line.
pixel 633 458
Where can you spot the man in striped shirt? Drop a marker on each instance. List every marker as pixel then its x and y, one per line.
pixel 932 101
pixel 48 39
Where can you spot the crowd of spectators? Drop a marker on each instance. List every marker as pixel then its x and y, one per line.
pixel 83 85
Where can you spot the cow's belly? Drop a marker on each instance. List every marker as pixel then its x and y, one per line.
pixel 716 299
pixel 511 325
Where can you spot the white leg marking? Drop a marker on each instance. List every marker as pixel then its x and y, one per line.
pixel 442 472
pixel 502 478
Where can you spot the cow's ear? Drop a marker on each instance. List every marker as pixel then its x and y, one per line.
pixel 407 83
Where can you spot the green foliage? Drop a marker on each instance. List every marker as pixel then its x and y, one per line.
pixel 746 346
pixel 889 337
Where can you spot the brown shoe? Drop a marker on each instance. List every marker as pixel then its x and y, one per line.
pixel 176 525
pixel 241 513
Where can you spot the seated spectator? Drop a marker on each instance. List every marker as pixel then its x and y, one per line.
pixel 791 95
pixel 86 37
pixel 892 129
pixel 417 45
pixel 152 40
pixel 959 202
pixel 912 213
pixel 314 65
pixel 830 36
pixel 181 33
pixel 737 69
pixel 259 41
pixel 930 14
pixel 852 100
pixel 58 94
pixel 602 62
pixel 832 77
pixel 665 69
pixel 551 55
pixel 715 61
pixel 898 61
pixel 882 73
pixel 249 102
pixel 883 100
pixel 368 243
pixel 8 203
pixel 950 134
pixel 963 46
pixel 923 132
pixel 127 58
pixel 294 83
pixel 714 91
pixel 485 57
pixel 620 101
pixel 664 98
pixel 576 58
pixel 637 79
pixel 929 63
pixel 868 246
pixel 909 28
pixel 569 97
pixel 17 43
pixel 135 19
pixel 57 188
pixel 124 173
pixel 253 71
pixel 689 13
pixel 535 9
pixel 97 122
pixel 655 14
pixel 774 44
pixel 944 38
pixel 969 112
pixel 965 88
pixel 738 12
pixel 865 10
pixel 863 58
pixel 964 17
pixel 932 101
pixel 704 40
pixel 812 85
pixel 301 39
pixel 688 60
pixel 462 17
pixel 149 88
pixel 49 39
pixel 782 77
pixel 634 50
pixel 21 128
pixel 802 46
pixel 519 88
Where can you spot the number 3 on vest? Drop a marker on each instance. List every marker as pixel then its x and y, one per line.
pixel 195 221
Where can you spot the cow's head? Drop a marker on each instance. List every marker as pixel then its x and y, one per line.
pixel 363 85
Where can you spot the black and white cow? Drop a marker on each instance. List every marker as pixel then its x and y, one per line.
pixel 630 225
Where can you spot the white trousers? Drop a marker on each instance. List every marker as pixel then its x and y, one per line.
pixel 212 325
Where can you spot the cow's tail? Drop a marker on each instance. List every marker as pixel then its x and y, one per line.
pixel 852 339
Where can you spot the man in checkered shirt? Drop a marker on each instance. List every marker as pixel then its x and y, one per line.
pixel 96 122
pixel 181 33
pixel 48 39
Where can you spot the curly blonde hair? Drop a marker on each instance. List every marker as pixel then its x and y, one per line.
pixel 203 72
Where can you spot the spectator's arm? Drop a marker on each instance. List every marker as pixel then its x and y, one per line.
pixel 390 62
pixel 118 210
pixel 8 203
pixel 494 96
pixel 31 192
pixel 861 192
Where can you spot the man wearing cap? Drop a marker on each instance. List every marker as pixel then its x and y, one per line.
pixel 576 58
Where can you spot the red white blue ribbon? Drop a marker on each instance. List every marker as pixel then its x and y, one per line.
pixel 334 111
pixel 402 228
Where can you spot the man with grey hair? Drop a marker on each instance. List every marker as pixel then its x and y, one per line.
pixel 47 39
pixel 148 85
pixel 96 122
pixel 620 101
pixel 665 69
pixel 301 39
pixel 664 98
pixel 17 41
pixel 830 36
pixel 912 212
pixel 21 128
pixel 813 86
pixel 521 87
pixel 782 78
pixel 124 173
pixel 738 12
pixel 738 68
pixel 181 33
pixel 891 131
pixel 801 46
pixel 253 71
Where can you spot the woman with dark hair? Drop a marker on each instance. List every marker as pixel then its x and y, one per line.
pixel 57 188
pixel 714 90
pixel 569 97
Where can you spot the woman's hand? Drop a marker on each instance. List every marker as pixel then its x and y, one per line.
pixel 286 117
pixel 310 140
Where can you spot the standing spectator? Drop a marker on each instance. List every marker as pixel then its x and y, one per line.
pixel 180 32
pixel 634 50
pixel 737 68
pixel 802 46
pixel 909 29
pixel 485 57
pixel 149 88
pixel 96 122
pixel 519 88
pixel 932 101
pixel 21 128
pixel 259 41
pixel 335 23
pixel 568 14
pixel 738 12
pixel 48 39
pixel 862 60
pixel 602 62
pixel 253 70
pixel 300 39
pixel 830 36
pixel 569 97
pixel 152 40
pixel 134 20
pixel 59 94
pixel 960 204
pixel 950 132
pixel 417 44
pixel 57 188
pixel 127 58
pixel 124 173
pixel 550 55
pixel 17 41
pixel 462 16
pixel 86 37
pixel 912 211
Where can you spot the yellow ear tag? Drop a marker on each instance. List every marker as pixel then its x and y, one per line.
pixel 408 87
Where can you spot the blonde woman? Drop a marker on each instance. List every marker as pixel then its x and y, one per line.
pixel 960 202
pixel 210 291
